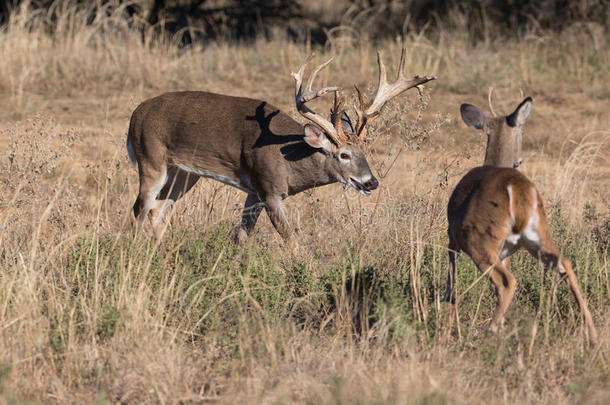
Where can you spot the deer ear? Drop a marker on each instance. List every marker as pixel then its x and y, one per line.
pixel 520 115
pixel 473 116
pixel 316 138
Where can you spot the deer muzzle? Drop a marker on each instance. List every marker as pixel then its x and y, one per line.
pixel 364 186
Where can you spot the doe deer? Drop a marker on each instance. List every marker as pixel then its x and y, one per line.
pixel 177 137
pixel 495 210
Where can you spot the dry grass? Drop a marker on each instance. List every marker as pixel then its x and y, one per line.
pixel 90 313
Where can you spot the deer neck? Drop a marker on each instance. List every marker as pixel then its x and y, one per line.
pixel 498 155
pixel 310 171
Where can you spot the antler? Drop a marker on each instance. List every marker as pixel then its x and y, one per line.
pixel 336 114
pixel 386 92
pixel 333 129
pixel 491 90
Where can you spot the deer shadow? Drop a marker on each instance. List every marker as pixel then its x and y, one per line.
pixel 294 147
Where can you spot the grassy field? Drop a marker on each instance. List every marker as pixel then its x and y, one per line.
pixel 91 314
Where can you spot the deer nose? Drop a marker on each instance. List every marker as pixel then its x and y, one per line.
pixel 371 184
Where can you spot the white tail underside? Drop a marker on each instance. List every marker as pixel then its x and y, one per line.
pixel 529 236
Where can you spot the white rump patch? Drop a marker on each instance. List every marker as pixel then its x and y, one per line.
pixel 528 237
pixel 531 237
pixel 510 246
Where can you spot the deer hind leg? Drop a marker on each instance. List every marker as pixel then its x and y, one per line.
pixel 565 264
pixel 151 183
pixel 505 285
pixel 506 263
pixel 252 209
pixel 177 184
pixel 545 250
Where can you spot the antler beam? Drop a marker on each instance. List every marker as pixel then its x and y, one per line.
pixel 386 92
pixel 302 96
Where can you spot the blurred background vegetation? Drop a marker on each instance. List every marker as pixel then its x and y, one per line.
pixel 203 21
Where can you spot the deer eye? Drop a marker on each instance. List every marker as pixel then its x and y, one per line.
pixel 345 156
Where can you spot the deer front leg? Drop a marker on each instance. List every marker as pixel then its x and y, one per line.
pixel 449 297
pixel 275 210
pixel 249 216
pixel 544 249
pixel 453 249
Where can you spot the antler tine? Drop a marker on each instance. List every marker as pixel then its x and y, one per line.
pixel 336 113
pixel 361 119
pixel 386 91
pixel 298 76
pixel 315 73
pixel 491 90
pixel 383 77
pixel 308 94
pixel 401 65
pixel 302 96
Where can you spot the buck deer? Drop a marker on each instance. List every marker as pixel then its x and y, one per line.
pixel 177 137
pixel 495 210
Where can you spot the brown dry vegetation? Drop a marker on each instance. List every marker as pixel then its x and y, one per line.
pixel 88 313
